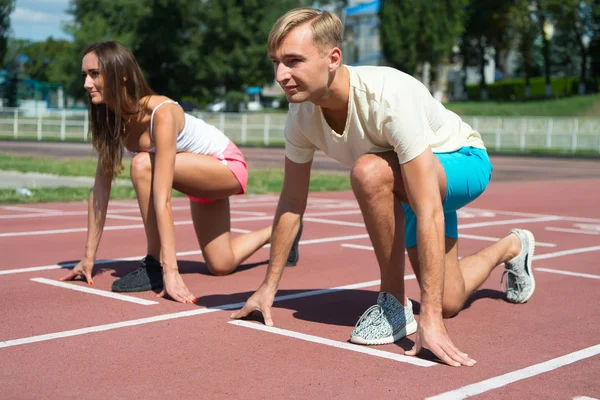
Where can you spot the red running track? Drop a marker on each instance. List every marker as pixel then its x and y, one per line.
pixel 61 343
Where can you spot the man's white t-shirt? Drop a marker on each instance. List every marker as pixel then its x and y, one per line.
pixel 387 110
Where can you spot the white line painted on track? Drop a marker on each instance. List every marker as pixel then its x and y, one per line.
pixel 508 222
pixel 30 209
pixel 125 217
pixel 566 252
pixel 495 239
pixel 570 273
pixel 130 204
pixel 522 214
pixel 568 230
pixel 334 222
pixel 165 317
pixel 179 254
pixel 511 377
pixel 255 213
pixel 357 246
pixel 96 292
pixel 176 223
pixel 334 343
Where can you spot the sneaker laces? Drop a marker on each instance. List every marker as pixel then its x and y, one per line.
pixel 373 313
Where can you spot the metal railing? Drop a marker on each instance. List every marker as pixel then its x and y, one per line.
pixel 565 134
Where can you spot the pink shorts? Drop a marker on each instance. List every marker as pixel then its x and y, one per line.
pixel 233 158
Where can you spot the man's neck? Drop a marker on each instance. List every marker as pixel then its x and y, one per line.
pixel 336 98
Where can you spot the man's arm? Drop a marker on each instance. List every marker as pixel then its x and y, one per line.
pixel 423 191
pixel 292 203
pixel 422 184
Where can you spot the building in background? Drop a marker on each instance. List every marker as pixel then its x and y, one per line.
pixel 361 33
pixel 362 46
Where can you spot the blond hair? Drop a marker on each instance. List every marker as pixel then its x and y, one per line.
pixel 326 28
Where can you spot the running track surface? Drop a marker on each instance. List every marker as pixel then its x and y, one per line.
pixel 70 342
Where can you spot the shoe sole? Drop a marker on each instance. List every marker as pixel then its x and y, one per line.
pixel 531 250
pixel 408 330
pixel 135 290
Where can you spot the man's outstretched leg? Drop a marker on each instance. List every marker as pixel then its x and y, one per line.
pixel 463 277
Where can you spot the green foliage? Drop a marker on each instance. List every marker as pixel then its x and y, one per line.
pixel 6 8
pixel 399 27
pixel 40 56
pixel 417 31
pixel 514 89
pixel 184 48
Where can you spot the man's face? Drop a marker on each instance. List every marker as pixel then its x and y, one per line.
pixel 300 69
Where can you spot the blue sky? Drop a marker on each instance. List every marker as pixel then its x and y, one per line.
pixel 38 19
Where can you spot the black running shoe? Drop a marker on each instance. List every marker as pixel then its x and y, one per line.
pixel 147 277
pixel 294 255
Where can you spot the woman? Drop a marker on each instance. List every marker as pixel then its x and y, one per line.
pixel 171 149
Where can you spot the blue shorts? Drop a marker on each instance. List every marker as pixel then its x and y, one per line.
pixel 468 172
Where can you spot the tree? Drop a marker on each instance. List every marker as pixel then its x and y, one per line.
pixel 6 8
pixel 185 48
pixel 545 29
pixel 487 29
pixel 233 42
pixel 526 33
pixel 399 30
pixel 574 21
pixel 442 24
pixel 38 56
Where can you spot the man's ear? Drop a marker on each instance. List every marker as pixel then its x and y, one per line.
pixel 335 58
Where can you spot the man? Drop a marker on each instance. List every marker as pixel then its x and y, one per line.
pixel 414 163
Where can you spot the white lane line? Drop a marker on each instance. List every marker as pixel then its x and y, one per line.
pixel 30 209
pixel 129 204
pixel 107 327
pixel 508 222
pixel 357 246
pixel 179 254
pixel 97 292
pixel 506 379
pixel 176 223
pixel 165 317
pixel 522 214
pixel 561 272
pixel 125 217
pixel 495 239
pixel 334 343
pixel 334 222
pixel 566 252
pixel 567 230
pixel 255 213
pixel 474 237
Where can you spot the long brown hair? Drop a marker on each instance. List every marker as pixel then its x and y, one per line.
pixel 124 86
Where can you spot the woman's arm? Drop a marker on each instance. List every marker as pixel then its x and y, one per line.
pixel 164 133
pixel 97 206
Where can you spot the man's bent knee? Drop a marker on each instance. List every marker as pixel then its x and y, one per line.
pixel 370 174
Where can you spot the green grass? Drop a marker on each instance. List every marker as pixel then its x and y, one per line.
pixel 50 165
pixel 260 180
pixel 581 106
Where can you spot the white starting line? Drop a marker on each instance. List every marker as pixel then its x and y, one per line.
pixel 506 379
pixel 97 292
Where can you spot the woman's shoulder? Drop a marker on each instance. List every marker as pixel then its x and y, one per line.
pixel 149 103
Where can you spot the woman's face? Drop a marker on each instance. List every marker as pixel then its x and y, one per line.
pixel 93 81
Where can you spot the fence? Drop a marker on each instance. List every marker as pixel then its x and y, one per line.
pixel 499 133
